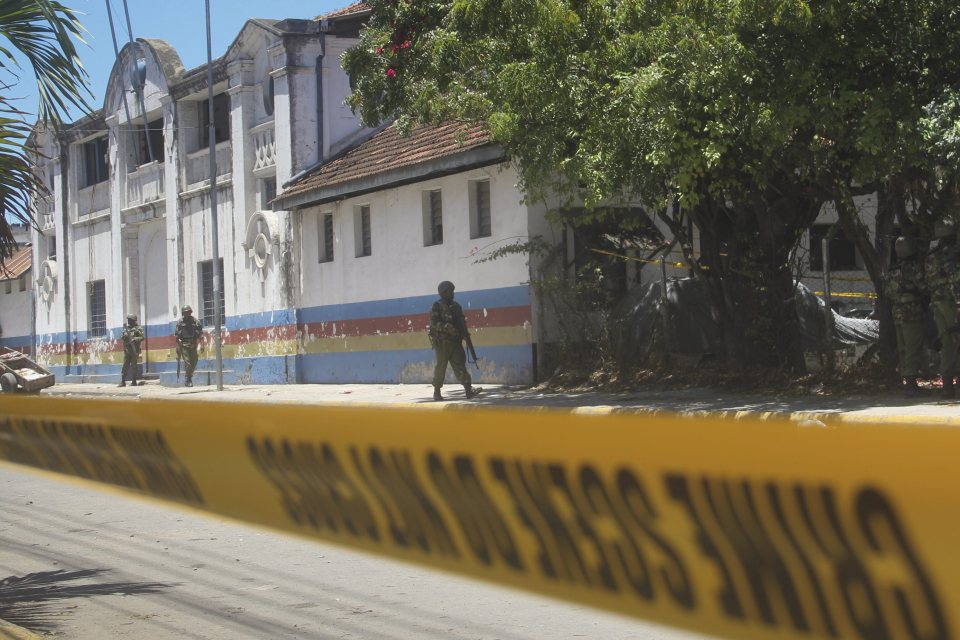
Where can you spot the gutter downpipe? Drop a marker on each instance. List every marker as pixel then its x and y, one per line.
pixel 65 225
pixel 324 27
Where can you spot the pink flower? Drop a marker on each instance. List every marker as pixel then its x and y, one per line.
pixel 405 45
pixel 379 50
pixel 391 73
pixel 396 48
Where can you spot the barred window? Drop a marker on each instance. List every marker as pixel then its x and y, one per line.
pixel 361 223
pixel 480 226
pixel 432 218
pixel 206 293
pixel 97 293
pixel 326 237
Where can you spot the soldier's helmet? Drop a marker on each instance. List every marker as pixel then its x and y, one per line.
pixel 132 317
pixel 446 285
pixel 904 247
pixel 945 229
pixel 186 310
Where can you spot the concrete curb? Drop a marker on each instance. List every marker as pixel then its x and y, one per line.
pixel 941 414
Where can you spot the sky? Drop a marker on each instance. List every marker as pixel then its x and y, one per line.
pixel 182 23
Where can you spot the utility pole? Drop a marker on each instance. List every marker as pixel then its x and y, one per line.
pixel 214 223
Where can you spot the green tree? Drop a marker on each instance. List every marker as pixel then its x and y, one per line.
pixel 41 34
pixel 742 117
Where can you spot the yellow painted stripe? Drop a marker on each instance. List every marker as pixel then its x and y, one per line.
pixel 739 529
pixel 484 337
pixel 414 340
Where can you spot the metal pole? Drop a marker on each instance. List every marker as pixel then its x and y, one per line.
pixel 126 109
pixel 214 223
pixel 138 89
pixel 664 310
pixel 828 309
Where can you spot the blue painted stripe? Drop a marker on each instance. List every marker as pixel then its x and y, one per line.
pixel 16 342
pixel 513 365
pixel 415 305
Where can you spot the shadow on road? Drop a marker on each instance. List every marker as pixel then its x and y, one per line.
pixel 26 600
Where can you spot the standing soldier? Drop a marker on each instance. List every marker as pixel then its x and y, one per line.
pixel 188 333
pixel 942 270
pixel 448 330
pixel 132 336
pixel 904 287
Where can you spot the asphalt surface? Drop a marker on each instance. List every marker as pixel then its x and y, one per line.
pixel 928 408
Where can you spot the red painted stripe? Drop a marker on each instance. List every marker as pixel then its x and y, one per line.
pixel 476 319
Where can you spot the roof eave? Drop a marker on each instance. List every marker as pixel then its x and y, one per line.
pixel 455 163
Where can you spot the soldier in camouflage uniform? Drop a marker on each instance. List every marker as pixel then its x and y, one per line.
pixel 188 334
pixel 132 336
pixel 942 270
pixel 904 287
pixel 448 330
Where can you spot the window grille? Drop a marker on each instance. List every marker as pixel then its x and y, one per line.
pixel 206 293
pixel 98 308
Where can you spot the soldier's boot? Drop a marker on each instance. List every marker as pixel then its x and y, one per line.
pixel 948 389
pixel 188 383
pixel 468 391
pixel 436 394
pixel 122 383
pixel 911 390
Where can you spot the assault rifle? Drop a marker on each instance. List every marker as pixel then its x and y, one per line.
pixel 179 358
pixel 472 351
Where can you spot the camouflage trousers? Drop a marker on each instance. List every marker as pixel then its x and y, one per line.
pixel 909 346
pixel 945 315
pixel 131 362
pixel 450 351
pixel 189 355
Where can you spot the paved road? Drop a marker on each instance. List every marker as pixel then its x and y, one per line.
pixel 86 565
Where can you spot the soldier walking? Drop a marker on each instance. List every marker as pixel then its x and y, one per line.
pixel 132 336
pixel 188 333
pixel 448 330
pixel 942 270
pixel 904 287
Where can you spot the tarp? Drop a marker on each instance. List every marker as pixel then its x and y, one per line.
pixel 637 322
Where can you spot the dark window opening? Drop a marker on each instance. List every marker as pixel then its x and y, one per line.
pixel 97 293
pixel 206 293
pixel 326 237
pixel 843 252
pixel 154 131
pixel 481 209
pixel 365 248
pixel 221 120
pixel 95 162
pixel 435 218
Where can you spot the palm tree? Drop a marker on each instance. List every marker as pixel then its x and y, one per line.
pixel 42 34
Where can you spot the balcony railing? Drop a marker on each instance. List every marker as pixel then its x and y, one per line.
pixel 264 146
pixel 198 164
pixel 93 199
pixel 145 184
pixel 43 209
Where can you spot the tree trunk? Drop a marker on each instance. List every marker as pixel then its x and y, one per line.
pixel 746 254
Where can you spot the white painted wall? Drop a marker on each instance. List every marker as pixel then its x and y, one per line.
pixel 15 306
pixel 400 264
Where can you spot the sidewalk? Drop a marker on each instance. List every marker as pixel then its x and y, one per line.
pixel 887 408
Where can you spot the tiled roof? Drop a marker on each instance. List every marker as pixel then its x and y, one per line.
pixel 388 151
pixel 18 264
pixel 356 7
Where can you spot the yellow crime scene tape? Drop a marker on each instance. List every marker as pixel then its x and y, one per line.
pixel 739 529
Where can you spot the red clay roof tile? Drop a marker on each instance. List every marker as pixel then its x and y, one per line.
pixel 387 151
pixel 18 264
